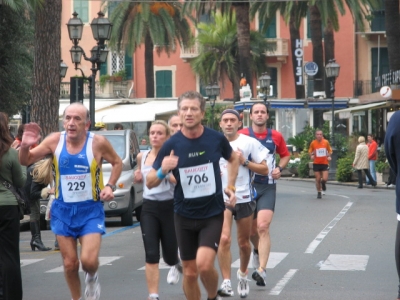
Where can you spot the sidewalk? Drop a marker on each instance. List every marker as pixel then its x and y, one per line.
pixel 380 185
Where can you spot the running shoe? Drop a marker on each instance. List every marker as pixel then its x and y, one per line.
pixel 256 260
pixel 92 290
pixel 323 184
pixel 226 289
pixel 319 195
pixel 173 275
pixel 260 276
pixel 243 286
pixel 153 298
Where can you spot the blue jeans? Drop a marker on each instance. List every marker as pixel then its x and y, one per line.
pixel 372 171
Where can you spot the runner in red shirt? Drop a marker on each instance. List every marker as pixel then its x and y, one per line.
pixel 265 187
pixel 320 151
pixel 372 156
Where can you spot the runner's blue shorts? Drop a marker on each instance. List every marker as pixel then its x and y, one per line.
pixel 77 219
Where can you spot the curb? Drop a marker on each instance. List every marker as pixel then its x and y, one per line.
pixel 381 186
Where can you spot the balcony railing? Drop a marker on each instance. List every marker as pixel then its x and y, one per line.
pixel 110 90
pixel 278 48
pixel 189 52
pixel 364 87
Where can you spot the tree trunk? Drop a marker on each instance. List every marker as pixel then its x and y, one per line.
pixel 329 48
pixel 295 35
pixel 243 36
pixel 392 23
pixel 46 78
pixel 316 39
pixel 149 65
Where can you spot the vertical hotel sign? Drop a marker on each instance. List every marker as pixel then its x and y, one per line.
pixel 298 53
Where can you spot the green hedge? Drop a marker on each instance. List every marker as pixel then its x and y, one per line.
pixel 344 170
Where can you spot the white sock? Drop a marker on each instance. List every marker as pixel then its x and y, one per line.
pixel 153 295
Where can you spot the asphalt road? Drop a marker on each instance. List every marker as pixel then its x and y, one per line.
pixel 337 247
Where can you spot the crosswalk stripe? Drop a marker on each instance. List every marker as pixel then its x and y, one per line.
pixel 274 259
pixel 337 262
pixel 27 262
pixel 162 265
pixel 103 260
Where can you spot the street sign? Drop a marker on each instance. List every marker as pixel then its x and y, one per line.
pixel 311 68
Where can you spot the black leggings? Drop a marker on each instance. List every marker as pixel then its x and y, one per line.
pixel 10 269
pixel 157 223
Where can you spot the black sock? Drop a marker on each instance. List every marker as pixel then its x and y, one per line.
pixel 215 298
pixel 255 251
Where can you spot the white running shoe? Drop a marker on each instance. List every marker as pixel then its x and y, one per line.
pixel 173 275
pixel 256 260
pixel 226 289
pixel 92 290
pixel 243 287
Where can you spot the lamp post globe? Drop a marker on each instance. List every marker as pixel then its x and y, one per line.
pixel 101 30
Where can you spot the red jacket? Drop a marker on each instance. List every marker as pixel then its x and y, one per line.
pixel 372 150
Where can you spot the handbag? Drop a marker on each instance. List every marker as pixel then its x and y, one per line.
pixel 22 199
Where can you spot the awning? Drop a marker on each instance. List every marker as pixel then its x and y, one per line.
pixel 100 104
pixel 145 112
pixel 326 104
pixel 242 105
pixel 346 113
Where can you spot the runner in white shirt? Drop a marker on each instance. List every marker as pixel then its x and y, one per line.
pixel 253 156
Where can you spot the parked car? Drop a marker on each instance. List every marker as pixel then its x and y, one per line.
pixel 128 196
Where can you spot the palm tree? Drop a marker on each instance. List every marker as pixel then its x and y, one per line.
pixel 392 23
pixel 218 51
pixel 46 76
pixel 152 23
pixel 19 5
pixel 242 28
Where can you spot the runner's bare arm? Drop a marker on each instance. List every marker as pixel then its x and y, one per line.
pixel 232 169
pixel 259 168
pixel 155 177
pixel 137 175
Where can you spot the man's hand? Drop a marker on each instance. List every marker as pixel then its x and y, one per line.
pixel 276 173
pixel 31 135
pixel 169 162
pixel 239 154
pixel 329 158
pixel 232 197
pixel 106 194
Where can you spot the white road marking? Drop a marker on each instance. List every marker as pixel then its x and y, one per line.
pixel 315 243
pixel 277 289
pixel 274 259
pixel 103 260
pixel 337 262
pixel 161 265
pixel 26 262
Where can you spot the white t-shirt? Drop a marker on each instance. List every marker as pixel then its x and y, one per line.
pixel 252 150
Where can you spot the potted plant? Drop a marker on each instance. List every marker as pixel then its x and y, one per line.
pixel 103 79
pixel 120 75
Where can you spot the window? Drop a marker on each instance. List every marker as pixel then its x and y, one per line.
pixel 379 64
pixel 270 33
pixel 378 20
pixel 82 8
pixel 119 61
pixel 164 84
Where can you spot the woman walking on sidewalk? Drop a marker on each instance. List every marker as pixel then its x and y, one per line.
pixel 39 176
pixel 361 162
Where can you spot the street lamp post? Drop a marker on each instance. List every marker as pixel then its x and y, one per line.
pixel 332 72
pixel 212 91
pixel 63 69
pixel 265 81
pixel 101 30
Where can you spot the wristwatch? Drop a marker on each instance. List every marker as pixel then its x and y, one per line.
pixel 246 163
pixel 280 169
pixel 113 187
